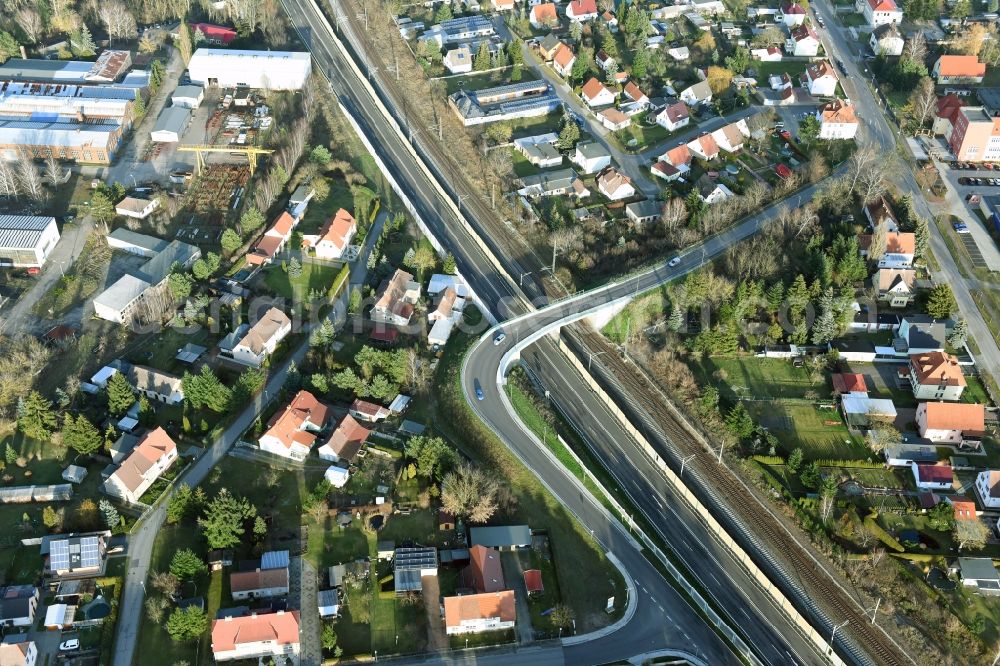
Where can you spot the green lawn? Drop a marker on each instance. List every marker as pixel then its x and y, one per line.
pixel 319 212
pixel 752 377
pixel 522 167
pixel 160 349
pixel 765 69
pixel 313 276
pixel 645 135
pixel 820 433
pixel 486 80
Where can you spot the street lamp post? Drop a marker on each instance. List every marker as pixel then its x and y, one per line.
pixel 520 280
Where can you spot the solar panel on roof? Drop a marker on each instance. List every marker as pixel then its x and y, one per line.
pixel 59 555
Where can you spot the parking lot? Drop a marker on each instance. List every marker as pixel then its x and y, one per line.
pixel 963 184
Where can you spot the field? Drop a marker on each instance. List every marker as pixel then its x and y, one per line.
pixel 758 378
pixel 765 69
pixel 313 276
pixel 820 433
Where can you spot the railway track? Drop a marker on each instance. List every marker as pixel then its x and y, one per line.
pixel 802 578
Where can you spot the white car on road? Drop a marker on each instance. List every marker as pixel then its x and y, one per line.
pixel 68 645
pixel 673 262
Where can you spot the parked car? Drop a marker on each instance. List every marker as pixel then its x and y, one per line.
pixel 71 644
pixel 961 228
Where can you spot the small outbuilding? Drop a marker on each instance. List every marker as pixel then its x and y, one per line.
pixel 336 476
pixel 188 97
pixel 170 125
pixel 74 474
pixel 328 602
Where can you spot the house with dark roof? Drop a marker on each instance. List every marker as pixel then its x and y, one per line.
pixel 980 574
pixel 501 537
pixel 933 477
pixel 18 604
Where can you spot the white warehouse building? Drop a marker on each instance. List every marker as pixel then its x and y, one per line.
pixel 26 241
pixel 274 70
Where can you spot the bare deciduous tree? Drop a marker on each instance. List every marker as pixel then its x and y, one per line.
pixel 54 173
pixel 30 22
pixel 117 19
pixel 923 100
pixel 8 180
pixel 29 179
pixel 468 491
pixel 673 214
pixel 247 12
pixel 915 48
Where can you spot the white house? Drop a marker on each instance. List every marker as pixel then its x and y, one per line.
pixel 458 60
pixel 22 653
pixel 292 432
pixel 933 477
pixel 156 385
pixel 614 119
pixel 731 137
pixel 595 93
pixel 271 635
pixel 679 53
pixel 334 237
pixel 395 299
pixel 262 338
pixel 950 422
pixel 581 10
pixel 18 604
pixel 792 14
pixel 336 476
pixel 887 40
pixel 151 457
pixel 821 79
pixel 704 147
pixel 770 54
pixel 900 248
pixel 634 93
pixel 189 97
pixel 988 488
pixel 802 41
pixel 135 207
pixel 591 156
pixel 698 93
pixel 711 192
pixel 614 184
pixel 673 116
pixel 879 12
pixel 837 120
pixel 563 60
pixel 26 241
pixel 474 613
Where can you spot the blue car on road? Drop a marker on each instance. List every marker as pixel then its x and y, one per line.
pixel 479 390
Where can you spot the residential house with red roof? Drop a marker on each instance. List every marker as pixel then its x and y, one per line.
pixel 837 120
pixel 958 69
pixel 292 432
pixel 22 653
pixel 581 10
pixel 944 115
pixel 792 14
pixel 563 60
pixel 802 41
pixel 214 34
pixel 679 157
pixel 821 79
pixel 334 236
pixel 769 54
pixel 395 299
pixel 345 441
pixel 951 422
pixel 543 15
pixel 474 613
pixel 634 93
pixel 673 116
pixel 900 248
pixel 368 411
pixel 964 508
pixel 846 383
pixel 879 12
pixel 935 375
pixel 273 240
pixel 880 212
pixel 259 583
pixel 988 488
pixel 256 636
pixel 151 457
pixel 485 572
pixel 595 93
pixel 933 477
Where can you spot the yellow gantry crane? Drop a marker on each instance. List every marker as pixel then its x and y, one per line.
pixel 252 153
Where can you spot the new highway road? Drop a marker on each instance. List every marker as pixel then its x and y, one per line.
pixel 769 631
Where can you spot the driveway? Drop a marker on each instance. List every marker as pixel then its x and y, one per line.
pixel 513 575
pixel 18 318
pixel 437 639
pixel 302 595
pixel 956 205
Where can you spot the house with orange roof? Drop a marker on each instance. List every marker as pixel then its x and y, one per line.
pixel 988 488
pixel 151 457
pixel 395 299
pixel 259 583
pixel 610 20
pixel 951 422
pixel 543 15
pixel 273 241
pixel 958 69
pixel 704 147
pixel 679 157
pixel 614 184
pixel 879 12
pixel 964 508
pixel 256 636
pixel 935 375
pixel 595 93
pixel 292 432
pixel 849 383
pixel 334 236
pixel 837 120
pixel 563 59
pixel 900 248
pixel 581 10
pixel 345 441
pixel 504 5
pixel 821 79
pixel 21 653
pixel 474 613
pixel 634 93
pixel 484 573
